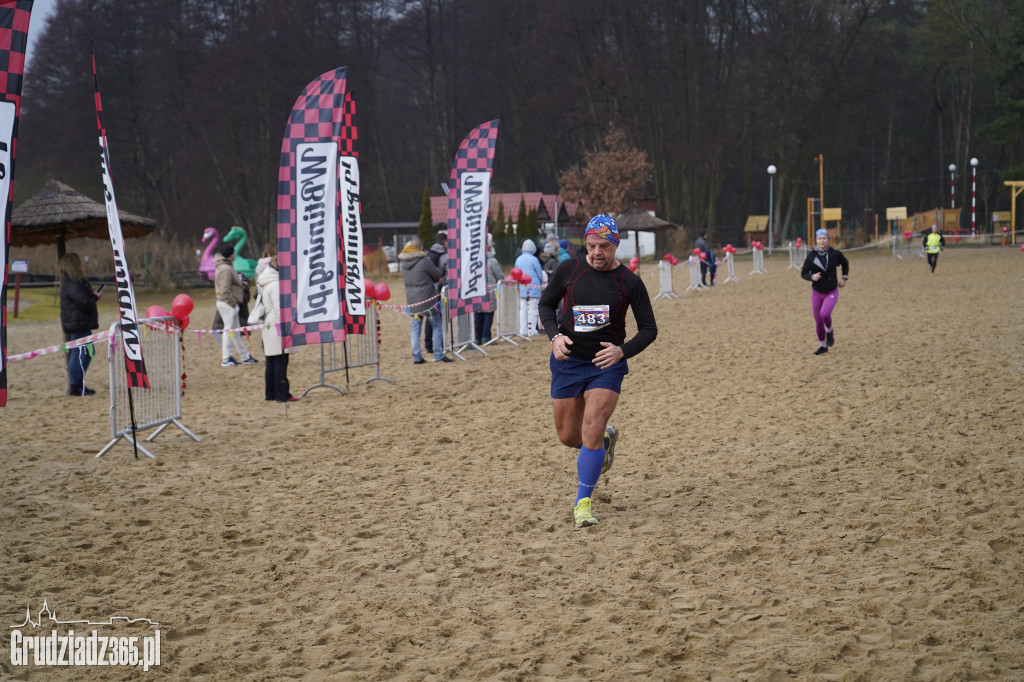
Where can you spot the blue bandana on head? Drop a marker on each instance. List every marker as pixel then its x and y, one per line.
pixel 821 232
pixel 603 226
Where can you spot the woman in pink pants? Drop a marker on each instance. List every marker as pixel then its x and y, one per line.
pixel 820 269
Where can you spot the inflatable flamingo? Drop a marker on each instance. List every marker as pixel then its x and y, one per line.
pixel 245 266
pixel 206 267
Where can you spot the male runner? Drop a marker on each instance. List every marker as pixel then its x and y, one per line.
pixel 589 350
pixel 933 243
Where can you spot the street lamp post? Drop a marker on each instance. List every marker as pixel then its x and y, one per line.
pixel 974 187
pixel 771 207
pixel 952 186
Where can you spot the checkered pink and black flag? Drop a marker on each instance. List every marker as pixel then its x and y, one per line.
pixel 131 339
pixel 309 241
pixel 14 20
pixel 351 222
pixel 469 194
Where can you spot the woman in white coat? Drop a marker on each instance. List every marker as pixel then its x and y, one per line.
pixel 276 375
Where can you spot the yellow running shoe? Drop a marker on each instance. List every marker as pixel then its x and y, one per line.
pixel 581 512
pixel 611 434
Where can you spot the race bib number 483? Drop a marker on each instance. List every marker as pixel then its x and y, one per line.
pixel 588 318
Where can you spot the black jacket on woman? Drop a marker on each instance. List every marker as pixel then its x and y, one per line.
pixel 826 263
pixel 78 311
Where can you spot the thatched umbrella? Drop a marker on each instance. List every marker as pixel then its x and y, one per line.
pixel 636 219
pixel 58 212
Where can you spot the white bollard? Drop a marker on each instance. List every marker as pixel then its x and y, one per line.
pixel 665 288
pixel 730 265
pixel 796 256
pixel 693 262
pixel 758 262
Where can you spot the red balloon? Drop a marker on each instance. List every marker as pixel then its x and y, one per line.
pixel 674 260
pixel 516 274
pixel 634 259
pixel 368 285
pixel 525 279
pixel 383 292
pixel 182 306
pixel 696 252
pixel 157 311
pixel 184 322
pixel 633 266
pixel 1022 247
pixel 371 292
pixel 728 248
pixel 907 234
pixel 799 242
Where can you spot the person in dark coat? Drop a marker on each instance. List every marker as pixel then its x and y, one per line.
pixel 707 259
pixel 79 317
pixel 438 255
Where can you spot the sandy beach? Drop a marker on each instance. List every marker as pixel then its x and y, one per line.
pixel 771 515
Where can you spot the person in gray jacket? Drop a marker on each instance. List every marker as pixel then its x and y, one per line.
pixel 421 297
pixel 438 255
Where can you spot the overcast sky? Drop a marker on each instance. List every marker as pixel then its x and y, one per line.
pixel 41 10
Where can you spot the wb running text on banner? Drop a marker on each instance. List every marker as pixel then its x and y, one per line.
pixel 319 240
pixel 469 196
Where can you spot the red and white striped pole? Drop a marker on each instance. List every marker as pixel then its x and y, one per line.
pixel 974 188
pixel 952 186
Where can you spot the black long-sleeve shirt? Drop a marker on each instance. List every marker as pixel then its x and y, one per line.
pixel 826 263
pixel 594 305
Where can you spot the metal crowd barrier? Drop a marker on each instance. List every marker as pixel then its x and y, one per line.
pixel 357 350
pixel 458 330
pixel 158 406
pixel 665 287
pixel 494 290
pixel 506 317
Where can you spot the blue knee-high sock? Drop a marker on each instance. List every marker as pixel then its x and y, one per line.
pixel 588 467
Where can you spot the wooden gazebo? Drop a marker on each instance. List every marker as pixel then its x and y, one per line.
pixel 58 212
pixel 635 219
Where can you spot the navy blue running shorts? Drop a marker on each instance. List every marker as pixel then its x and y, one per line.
pixel 571 377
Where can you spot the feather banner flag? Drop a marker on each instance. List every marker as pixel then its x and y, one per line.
pixel 14 20
pixel 351 222
pixel 131 340
pixel 310 256
pixel 469 196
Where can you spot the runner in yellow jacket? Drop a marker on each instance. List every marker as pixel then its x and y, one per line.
pixel 933 243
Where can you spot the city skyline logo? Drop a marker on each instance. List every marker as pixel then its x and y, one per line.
pixel 61 646
pixel 52 615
